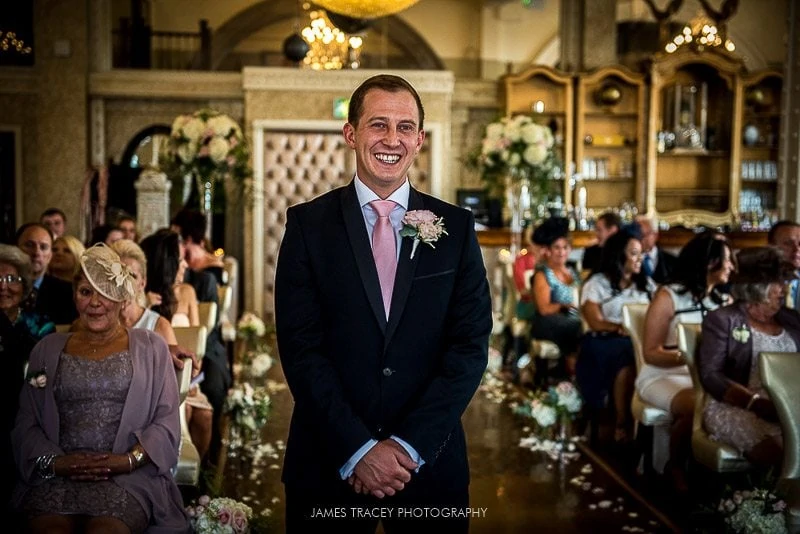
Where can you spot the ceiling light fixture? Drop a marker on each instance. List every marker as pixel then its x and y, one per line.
pixel 365 9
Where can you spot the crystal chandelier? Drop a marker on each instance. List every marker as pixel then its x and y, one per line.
pixel 365 9
pixel 330 47
pixel 699 34
pixel 9 42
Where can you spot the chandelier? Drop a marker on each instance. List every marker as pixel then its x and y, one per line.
pixel 9 41
pixel 699 34
pixel 365 9
pixel 329 47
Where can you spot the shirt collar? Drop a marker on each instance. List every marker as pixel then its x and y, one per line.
pixel 367 195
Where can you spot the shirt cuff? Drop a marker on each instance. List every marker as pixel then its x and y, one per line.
pixel 348 468
pixel 412 452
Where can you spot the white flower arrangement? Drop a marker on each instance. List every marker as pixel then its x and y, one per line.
pixel 209 145
pixel 260 364
pixel 250 326
pixel 516 146
pixel 741 334
pixel 754 512
pixel 220 515
pixel 248 407
pixel 554 404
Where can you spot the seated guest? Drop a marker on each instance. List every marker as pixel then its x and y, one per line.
pixel 556 318
pixel 135 315
pixel 524 266
pixel 786 236
pixel 607 225
pixel 606 367
pixel 740 412
pixel 163 252
pixel 664 381
pixel 16 343
pixel 64 264
pixel 96 438
pixel 127 225
pixel 54 220
pixel 50 297
pixel 657 263
pixel 16 282
pixel 191 225
pixel 105 233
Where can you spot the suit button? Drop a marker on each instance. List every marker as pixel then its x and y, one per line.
pixel 379 429
pixel 387 372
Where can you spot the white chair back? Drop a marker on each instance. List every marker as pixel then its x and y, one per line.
pixel 208 314
pixel 192 338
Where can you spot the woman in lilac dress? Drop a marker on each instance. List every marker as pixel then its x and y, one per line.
pixel 740 413
pixel 98 428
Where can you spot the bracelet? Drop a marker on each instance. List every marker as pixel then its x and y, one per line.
pixel 752 400
pixel 46 466
pixel 130 462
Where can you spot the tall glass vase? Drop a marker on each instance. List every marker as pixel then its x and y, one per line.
pixel 518 202
pixel 202 198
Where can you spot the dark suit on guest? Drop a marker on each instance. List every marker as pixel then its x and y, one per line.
pixel 591 258
pixel 354 374
pixel 723 360
pixel 665 266
pixel 54 300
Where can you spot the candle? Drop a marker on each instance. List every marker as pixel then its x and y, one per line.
pixel 582 197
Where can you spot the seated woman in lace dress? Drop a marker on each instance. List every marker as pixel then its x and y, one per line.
pixel 554 292
pixel 740 413
pixel 606 368
pixel 704 263
pixel 98 430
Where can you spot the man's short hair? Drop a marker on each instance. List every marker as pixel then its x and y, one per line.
pixel 611 219
pixel 49 212
pixel 192 224
pixel 773 232
pixel 21 230
pixel 384 82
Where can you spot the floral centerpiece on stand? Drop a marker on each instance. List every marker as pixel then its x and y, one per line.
pixel 515 149
pixel 247 409
pixel 255 358
pixel 553 409
pixel 209 146
pixel 517 162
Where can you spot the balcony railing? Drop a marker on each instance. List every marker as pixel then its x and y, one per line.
pixel 137 46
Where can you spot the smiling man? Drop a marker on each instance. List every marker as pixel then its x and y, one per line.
pixel 786 236
pixel 383 339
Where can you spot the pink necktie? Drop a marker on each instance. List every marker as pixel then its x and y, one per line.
pixel 384 249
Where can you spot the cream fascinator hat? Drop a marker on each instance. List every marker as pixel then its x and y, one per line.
pixel 107 274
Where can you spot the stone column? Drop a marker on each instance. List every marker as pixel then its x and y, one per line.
pixel 572 34
pixel 152 201
pixel 599 34
pixel 788 163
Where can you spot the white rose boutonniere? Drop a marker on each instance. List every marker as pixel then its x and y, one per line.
pixel 37 379
pixel 422 225
pixel 741 334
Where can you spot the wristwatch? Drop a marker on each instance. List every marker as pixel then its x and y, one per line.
pixel 138 454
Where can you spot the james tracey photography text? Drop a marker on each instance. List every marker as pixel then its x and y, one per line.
pixel 399 512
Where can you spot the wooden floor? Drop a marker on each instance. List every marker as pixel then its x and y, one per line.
pixel 522 491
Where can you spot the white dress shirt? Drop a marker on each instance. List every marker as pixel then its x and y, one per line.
pixel 400 197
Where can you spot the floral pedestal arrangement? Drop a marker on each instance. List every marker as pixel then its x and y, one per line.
pixel 553 410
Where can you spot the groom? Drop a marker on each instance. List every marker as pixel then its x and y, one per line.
pixel 383 342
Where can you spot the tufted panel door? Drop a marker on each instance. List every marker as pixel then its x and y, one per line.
pixel 299 166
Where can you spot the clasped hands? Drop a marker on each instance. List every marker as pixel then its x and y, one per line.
pixel 91 466
pixel 383 471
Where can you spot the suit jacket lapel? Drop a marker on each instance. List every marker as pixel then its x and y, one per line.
pixel 359 241
pixel 406 267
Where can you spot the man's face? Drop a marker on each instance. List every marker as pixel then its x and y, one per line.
pixel 128 229
pixel 55 223
pixel 36 243
pixel 603 232
pixel 787 238
pixel 649 237
pixel 386 140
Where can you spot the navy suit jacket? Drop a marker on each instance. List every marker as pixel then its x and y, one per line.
pixel 721 359
pixel 353 374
